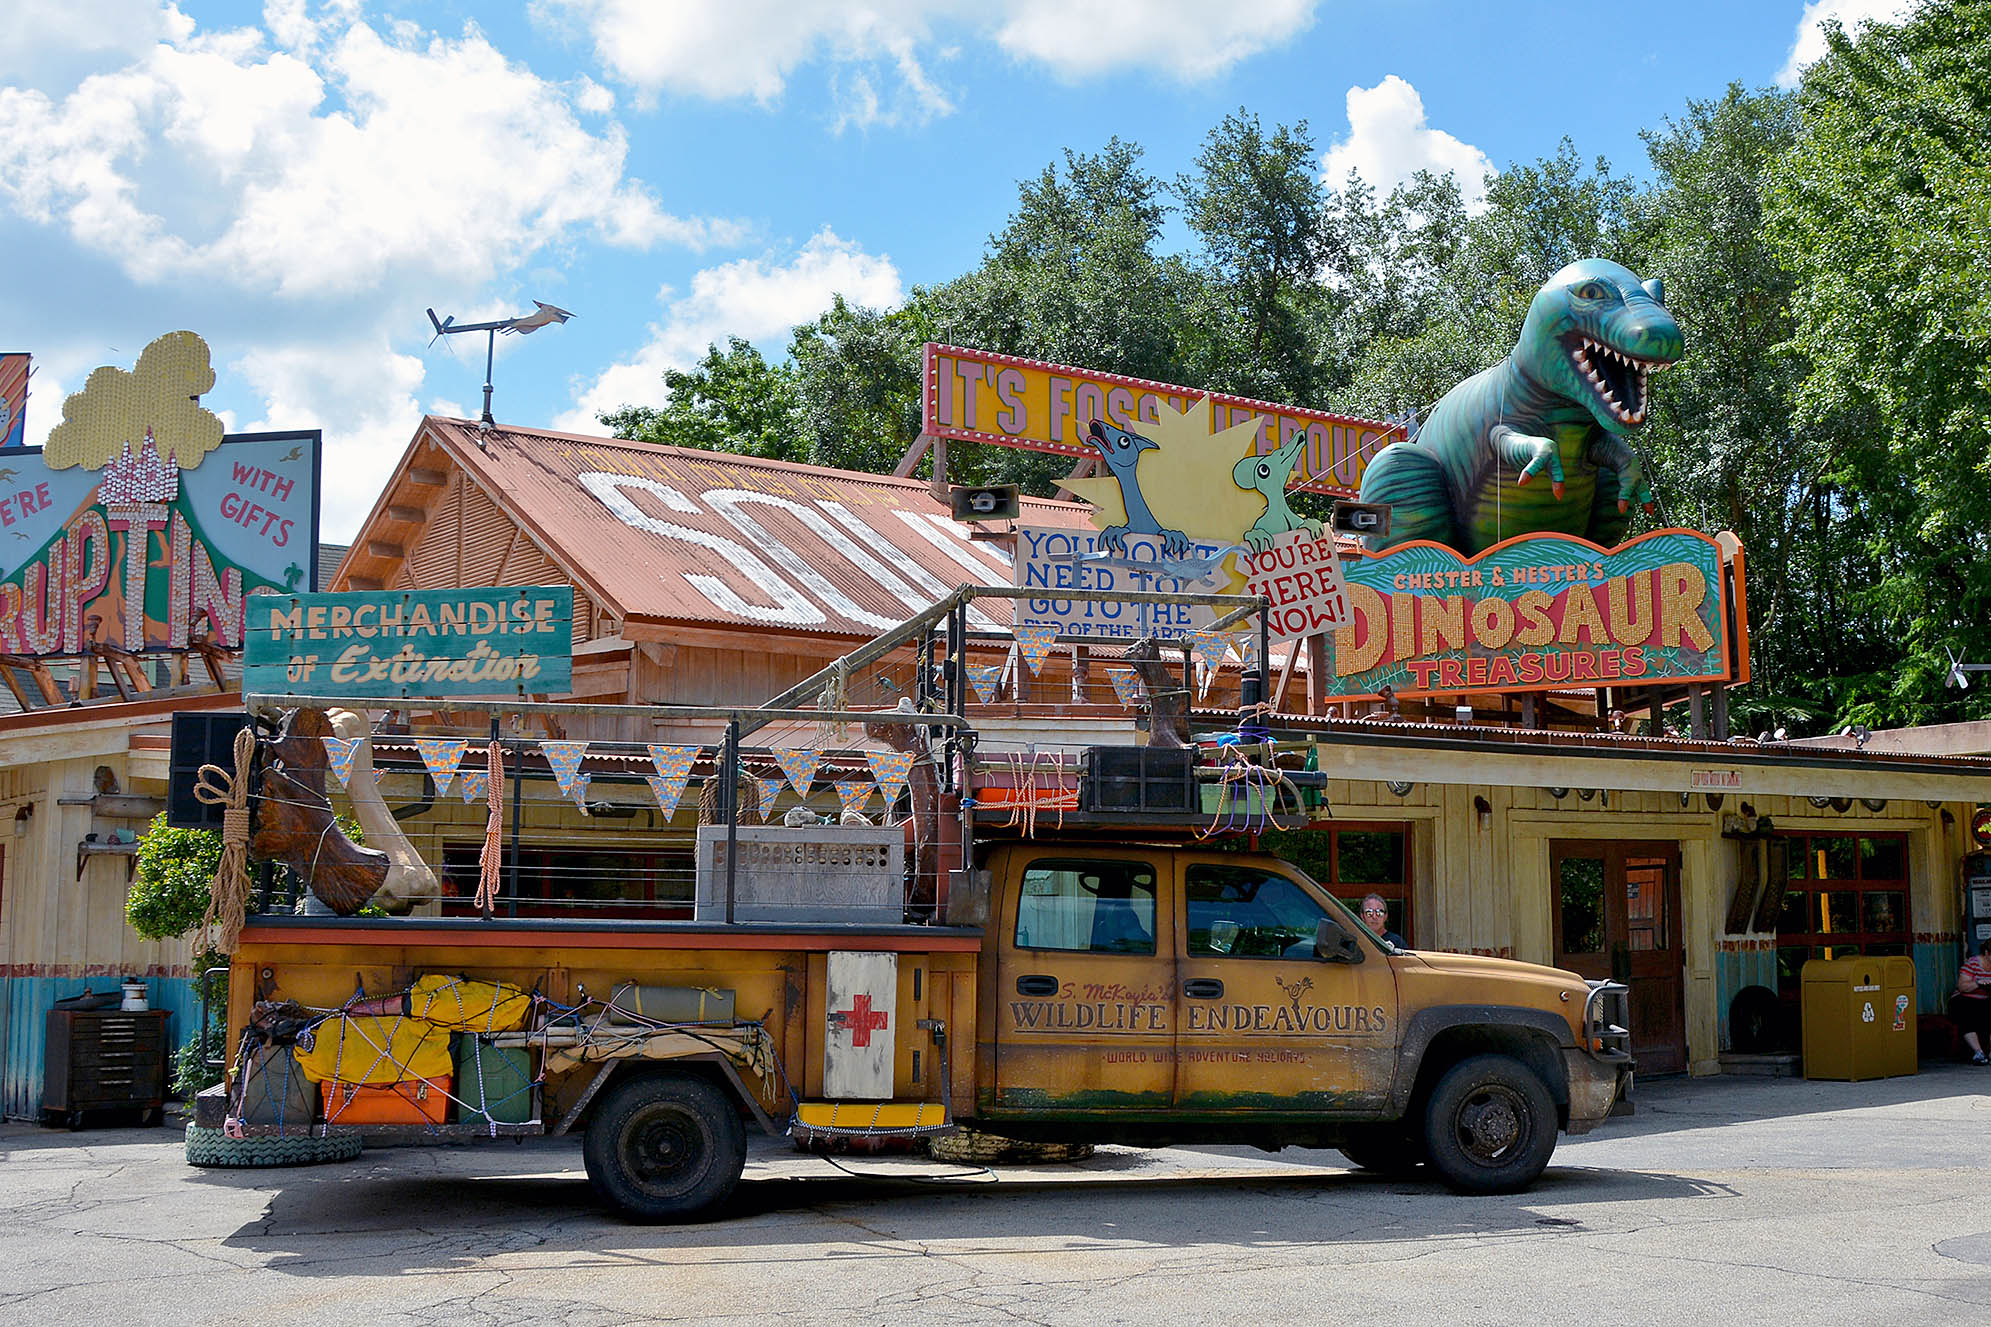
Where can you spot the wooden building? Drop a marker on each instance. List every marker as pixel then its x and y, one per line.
pixel 722 580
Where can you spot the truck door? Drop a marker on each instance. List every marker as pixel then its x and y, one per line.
pixel 1264 1024
pixel 1084 1010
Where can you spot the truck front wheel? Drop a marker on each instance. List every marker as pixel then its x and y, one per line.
pixel 665 1148
pixel 1489 1126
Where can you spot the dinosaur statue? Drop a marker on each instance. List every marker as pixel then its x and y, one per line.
pixel 1558 404
pixel 1121 452
pixel 1267 476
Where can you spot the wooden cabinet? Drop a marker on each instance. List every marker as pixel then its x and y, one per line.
pixel 108 1060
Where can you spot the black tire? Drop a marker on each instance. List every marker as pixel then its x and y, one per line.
pixel 665 1148
pixel 1490 1126
pixel 1384 1149
pixel 212 1147
pixel 975 1148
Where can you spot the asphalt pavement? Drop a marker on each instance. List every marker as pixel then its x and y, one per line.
pixel 1732 1200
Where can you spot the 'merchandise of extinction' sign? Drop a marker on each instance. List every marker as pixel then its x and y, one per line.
pixel 515 640
pixel 1535 613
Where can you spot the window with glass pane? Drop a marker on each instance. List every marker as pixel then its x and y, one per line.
pixel 1848 894
pixel 1645 903
pixel 1582 882
pixel 1241 912
pixel 1368 857
pixel 1352 862
pixel 1099 907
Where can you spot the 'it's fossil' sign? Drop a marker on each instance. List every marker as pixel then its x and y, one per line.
pixel 511 640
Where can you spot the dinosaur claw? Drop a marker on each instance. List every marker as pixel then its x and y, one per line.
pixel 1650 507
pixel 1522 481
pixel 1556 488
pixel 1623 506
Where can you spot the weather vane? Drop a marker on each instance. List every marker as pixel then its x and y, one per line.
pixel 541 315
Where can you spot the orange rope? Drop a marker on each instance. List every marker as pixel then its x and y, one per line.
pixel 487 880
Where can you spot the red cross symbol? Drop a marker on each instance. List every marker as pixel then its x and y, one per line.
pixel 860 1020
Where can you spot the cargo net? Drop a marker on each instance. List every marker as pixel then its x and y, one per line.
pixel 452 1045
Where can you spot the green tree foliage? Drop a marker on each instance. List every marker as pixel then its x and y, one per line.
pixel 171 880
pixel 733 401
pixel 1256 205
pixel 1881 211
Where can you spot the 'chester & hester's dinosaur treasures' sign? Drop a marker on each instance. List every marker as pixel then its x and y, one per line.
pixel 1536 613
pixel 510 640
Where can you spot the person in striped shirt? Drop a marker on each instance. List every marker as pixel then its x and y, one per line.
pixel 1970 1007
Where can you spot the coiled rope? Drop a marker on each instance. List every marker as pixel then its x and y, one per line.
pixel 228 895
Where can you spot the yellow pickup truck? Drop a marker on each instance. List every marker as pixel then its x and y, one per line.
pixel 1102 992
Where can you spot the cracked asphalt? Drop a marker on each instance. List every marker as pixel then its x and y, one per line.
pixel 1724 1200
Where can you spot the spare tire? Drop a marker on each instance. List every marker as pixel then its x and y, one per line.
pixel 212 1147
pixel 973 1147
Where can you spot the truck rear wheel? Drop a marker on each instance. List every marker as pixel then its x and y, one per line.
pixel 1490 1125
pixel 665 1148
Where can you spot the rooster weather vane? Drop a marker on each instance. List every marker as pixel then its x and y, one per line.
pixel 542 314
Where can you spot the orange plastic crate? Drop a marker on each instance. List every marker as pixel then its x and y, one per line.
pixel 415 1101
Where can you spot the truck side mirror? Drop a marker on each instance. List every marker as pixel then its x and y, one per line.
pixel 1334 945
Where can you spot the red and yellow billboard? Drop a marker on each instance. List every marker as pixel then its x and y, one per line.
pixel 1541 612
pixel 980 396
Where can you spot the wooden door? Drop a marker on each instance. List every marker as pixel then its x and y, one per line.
pixel 1085 978
pixel 1617 915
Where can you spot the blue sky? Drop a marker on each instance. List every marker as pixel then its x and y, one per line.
pixel 296 181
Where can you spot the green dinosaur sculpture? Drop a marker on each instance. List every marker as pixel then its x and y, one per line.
pixel 1267 475
pixel 1575 382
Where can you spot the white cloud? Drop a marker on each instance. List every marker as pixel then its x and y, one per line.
pixel 1185 39
pixel 752 298
pixel 1808 46
pixel 1389 140
pixel 879 50
pixel 45 42
pixel 331 166
pixel 364 385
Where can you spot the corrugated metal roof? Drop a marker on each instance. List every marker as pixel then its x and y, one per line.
pixel 672 534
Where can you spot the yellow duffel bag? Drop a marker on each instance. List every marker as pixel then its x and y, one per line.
pixel 469 1006
pixel 368 1049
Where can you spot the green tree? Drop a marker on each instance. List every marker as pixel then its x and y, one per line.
pixel 1722 446
pixel 1256 205
pixel 1880 213
pixel 732 401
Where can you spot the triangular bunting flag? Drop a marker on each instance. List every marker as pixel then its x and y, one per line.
pixel 765 791
pixel 1127 685
pixel 668 791
pixel 673 761
pixel 1209 647
pixel 339 751
pixel 471 784
pixel 891 769
pixel 854 794
pixel 987 680
pixel 564 758
pixel 442 755
pixel 799 764
pixel 1034 644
